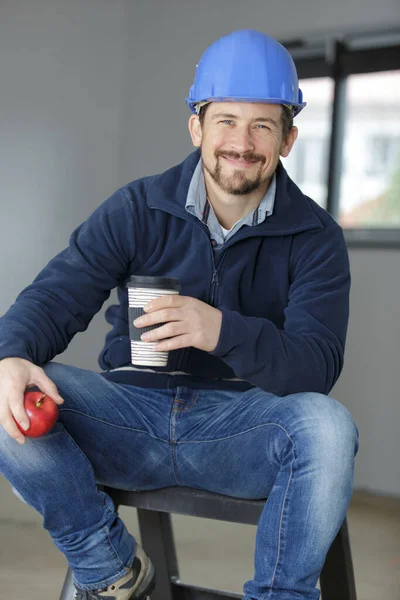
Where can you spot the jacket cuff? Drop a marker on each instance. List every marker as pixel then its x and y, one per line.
pixel 226 340
pixel 13 351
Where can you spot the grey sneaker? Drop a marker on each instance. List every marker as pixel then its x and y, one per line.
pixel 137 584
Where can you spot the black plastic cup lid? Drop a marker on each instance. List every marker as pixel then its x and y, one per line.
pixel 159 283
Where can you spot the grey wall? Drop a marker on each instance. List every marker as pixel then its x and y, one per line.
pixel 61 117
pixel 370 382
pixel 93 96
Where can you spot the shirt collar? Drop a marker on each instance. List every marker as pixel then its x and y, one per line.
pixel 197 204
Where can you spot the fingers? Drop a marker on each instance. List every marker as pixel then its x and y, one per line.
pixel 47 386
pixel 17 410
pixel 188 321
pixel 13 408
pixel 165 331
pixel 180 341
pixel 11 428
pixel 164 315
pixel 16 374
pixel 172 300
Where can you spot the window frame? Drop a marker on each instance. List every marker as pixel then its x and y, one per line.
pixel 338 58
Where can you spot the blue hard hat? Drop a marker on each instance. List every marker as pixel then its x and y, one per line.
pixel 246 66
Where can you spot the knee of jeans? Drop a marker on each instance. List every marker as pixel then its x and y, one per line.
pixel 64 377
pixel 15 457
pixel 55 371
pixel 5 440
pixel 329 424
pixel 342 426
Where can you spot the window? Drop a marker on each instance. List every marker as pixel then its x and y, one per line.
pixel 307 163
pixel 347 155
pixel 383 151
pixel 370 183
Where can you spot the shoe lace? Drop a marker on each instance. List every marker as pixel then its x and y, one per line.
pixel 85 595
pixel 80 595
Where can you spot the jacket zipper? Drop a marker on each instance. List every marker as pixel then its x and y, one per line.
pixel 214 285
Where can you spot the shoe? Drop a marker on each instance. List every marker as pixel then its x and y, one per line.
pixel 137 584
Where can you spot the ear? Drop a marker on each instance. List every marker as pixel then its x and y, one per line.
pixel 288 142
pixel 195 130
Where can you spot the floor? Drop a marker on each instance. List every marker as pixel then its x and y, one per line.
pixel 212 554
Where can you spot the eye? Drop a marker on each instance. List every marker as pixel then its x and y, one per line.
pixel 261 126
pixel 226 122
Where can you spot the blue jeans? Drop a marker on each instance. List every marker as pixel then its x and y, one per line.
pixel 296 450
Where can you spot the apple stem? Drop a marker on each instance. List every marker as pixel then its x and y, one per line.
pixel 40 401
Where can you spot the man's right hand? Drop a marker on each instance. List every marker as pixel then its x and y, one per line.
pixel 16 374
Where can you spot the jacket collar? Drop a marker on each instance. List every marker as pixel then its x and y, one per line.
pixel 293 211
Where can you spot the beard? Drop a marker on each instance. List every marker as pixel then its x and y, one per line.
pixel 238 183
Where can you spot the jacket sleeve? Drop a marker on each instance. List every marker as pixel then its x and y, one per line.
pixel 307 354
pixel 71 289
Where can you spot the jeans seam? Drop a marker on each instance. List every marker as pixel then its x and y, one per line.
pixel 237 435
pixel 81 451
pixel 282 513
pixel 154 437
pixel 107 529
pixel 109 580
pixel 122 571
pixel 173 442
pixel 113 549
pixel 104 528
pixel 227 437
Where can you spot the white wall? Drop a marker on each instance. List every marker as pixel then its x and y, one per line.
pixel 93 96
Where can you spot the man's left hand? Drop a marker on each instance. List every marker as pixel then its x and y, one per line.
pixel 188 322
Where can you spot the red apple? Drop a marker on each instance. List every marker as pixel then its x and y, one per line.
pixel 42 412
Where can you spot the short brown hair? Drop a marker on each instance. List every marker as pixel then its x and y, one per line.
pixel 286 118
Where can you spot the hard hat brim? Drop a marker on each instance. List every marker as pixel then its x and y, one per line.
pixel 296 107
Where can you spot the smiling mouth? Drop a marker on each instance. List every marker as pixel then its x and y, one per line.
pixel 240 162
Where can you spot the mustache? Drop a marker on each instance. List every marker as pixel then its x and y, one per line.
pixel 248 156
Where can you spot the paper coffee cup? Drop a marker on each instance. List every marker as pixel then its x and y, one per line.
pixel 142 289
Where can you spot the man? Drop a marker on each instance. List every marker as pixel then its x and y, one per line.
pixel 255 341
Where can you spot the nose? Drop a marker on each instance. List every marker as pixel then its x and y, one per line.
pixel 241 140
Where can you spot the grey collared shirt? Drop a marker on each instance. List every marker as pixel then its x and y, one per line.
pixel 198 205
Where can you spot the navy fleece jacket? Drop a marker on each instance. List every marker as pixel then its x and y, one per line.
pixel 282 287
